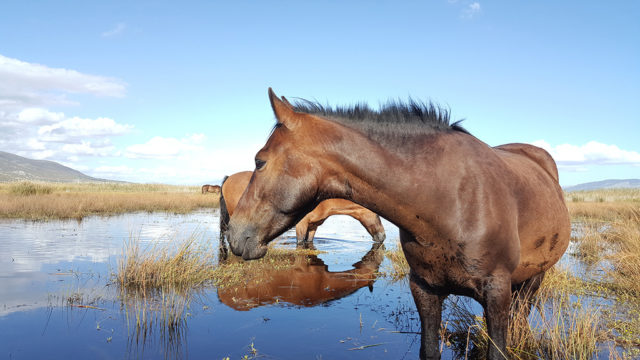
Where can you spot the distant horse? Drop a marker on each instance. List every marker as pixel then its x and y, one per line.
pixel 474 220
pixel 233 187
pixel 306 283
pixel 211 189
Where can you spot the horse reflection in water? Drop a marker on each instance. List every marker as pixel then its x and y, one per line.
pixel 479 221
pixel 307 282
pixel 233 187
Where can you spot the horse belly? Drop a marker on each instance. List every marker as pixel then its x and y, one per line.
pixel 543 240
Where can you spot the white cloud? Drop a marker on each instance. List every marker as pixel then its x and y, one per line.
pixel 163 148
pixel 23 83
pixel 86 148
pixel 29 128
pixel 577 157
pixel 75 127
pixel 117 30
pixel 39 116
pixel 471 10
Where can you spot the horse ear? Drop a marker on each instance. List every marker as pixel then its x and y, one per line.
pixel 284 100
pixel 283 111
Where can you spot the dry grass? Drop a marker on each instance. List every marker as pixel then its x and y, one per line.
pixel 235 271
pixel 190 263
pixel 183 265
pixel 398 268
pixel 44 201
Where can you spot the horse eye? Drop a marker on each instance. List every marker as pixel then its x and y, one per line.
pixel 260 164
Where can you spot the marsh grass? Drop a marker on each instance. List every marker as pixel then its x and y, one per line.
pixel 192 263
pixel 398 268
pixel 560 326
pixel 177 264
pixel 234 271
pixel 43 201
pixel 26 188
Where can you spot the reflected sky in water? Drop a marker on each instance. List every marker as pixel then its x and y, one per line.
pixel 50 270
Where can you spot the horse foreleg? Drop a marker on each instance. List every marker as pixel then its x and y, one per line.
pixel 496 303
pixel 301 231
pixel 311 233
pixel 429 308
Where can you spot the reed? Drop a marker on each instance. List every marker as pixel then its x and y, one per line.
pixel 176 265
pixel 397 268
pixel 45 201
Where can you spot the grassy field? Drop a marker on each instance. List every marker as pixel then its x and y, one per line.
pixel 44 201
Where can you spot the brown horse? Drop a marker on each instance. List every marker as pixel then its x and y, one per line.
pixel 233 187
pixel 474 220
pixel 306 228
pixel 211 189
pixel 306 283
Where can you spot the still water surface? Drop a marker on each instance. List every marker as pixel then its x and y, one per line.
pixel 47 269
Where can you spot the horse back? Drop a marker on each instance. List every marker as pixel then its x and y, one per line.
pixel 538 155
pixel 233 187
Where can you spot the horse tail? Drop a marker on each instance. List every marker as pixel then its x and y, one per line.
pixel 224 213
pixel 224 223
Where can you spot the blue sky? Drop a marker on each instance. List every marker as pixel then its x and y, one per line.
pixel 177 92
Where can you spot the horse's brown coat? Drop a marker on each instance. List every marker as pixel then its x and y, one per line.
pixel 469 214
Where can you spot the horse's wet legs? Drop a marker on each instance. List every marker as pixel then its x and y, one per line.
pixel 302 229
pixel 430 310
pixel 497 300
pixel 311 234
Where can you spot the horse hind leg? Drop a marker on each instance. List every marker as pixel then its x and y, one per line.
pixel 522 297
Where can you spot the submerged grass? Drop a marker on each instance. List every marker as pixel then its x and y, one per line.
pixel 44 201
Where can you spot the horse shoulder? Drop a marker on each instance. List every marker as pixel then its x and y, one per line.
pixel 536 154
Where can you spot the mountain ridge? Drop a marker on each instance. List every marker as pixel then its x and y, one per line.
pixel 17 168
pixel 605 184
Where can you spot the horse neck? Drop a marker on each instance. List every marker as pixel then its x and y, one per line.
pixel 385 181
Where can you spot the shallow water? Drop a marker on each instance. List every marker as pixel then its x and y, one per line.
pixel 56 300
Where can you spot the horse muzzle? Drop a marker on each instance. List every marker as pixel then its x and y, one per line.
pixel 243 241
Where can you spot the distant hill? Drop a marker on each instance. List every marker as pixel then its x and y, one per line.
pixel 605 184
pixel 18 168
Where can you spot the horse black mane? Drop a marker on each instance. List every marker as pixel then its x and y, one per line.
pixel 394 120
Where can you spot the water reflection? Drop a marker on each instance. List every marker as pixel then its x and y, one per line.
pixel 308 282
pixel 156 321
pixel 44 257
